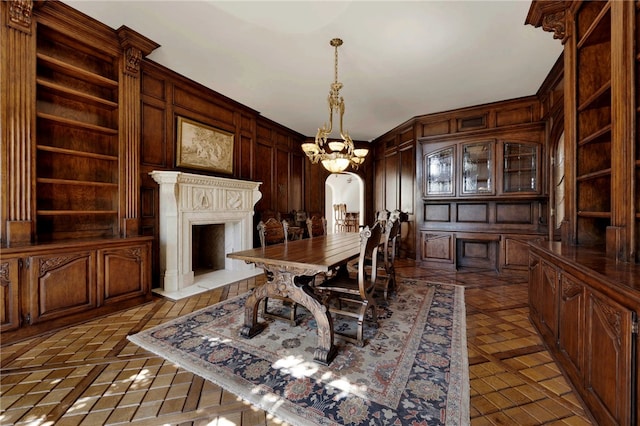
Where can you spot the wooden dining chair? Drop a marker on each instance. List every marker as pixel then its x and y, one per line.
pixel 316 226
pixel 272 231
pixel 352 222
pixel 348 297
pixel 340 213
pixel 275 232
pixel 386 257
pixel 382 216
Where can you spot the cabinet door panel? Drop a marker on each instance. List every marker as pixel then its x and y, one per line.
pixel 609 355
pixel 549 299
pixel 516 251
pixel 437 247
pixel 535 267
pixel 439 172
pixel 571 326
pixel 123 273
pixel 520 171
pixel 9 310
pixel 477 168
pixel 61 285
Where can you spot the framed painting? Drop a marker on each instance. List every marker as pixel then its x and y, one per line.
pixel 204 147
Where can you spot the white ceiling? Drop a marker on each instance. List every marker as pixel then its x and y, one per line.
pixel 400 59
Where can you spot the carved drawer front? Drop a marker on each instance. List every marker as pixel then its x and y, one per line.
pixel 608 359
pixel 123 273
pixel 60 284
pixel 9 309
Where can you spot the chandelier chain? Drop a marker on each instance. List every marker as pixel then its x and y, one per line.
pixel 336 63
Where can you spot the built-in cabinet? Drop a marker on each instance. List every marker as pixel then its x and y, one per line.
pixel 589 322
pixel 70 246
pixel 481 183
pixel 472 182
pixel 600 57
pixel 477 167
pixel 56 284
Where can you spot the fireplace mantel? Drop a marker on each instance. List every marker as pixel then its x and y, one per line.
pixel 189 199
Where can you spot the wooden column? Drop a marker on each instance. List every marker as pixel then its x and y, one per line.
pixel 621 231
pixel 134 47
pixel 17 115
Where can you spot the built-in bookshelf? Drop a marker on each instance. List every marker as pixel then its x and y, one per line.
pixel 77 147
pixel 593 144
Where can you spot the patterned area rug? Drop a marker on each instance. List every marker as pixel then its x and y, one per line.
pixel 412 371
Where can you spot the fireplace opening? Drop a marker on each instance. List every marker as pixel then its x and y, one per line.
pixel 207 248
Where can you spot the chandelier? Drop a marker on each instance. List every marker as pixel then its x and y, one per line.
pixel 334 154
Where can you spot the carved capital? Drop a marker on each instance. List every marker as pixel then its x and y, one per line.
pixel 132 57
pixel 20 14
pixel 556 23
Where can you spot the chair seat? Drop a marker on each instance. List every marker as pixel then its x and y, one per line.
pixel 340 285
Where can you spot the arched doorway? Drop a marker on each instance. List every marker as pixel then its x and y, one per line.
pixel 343 188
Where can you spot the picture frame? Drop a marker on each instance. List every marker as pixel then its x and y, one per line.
pixel 203 147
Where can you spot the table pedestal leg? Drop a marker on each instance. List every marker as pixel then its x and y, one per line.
pixel 283 284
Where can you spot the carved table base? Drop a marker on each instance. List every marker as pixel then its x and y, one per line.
pixel 287 282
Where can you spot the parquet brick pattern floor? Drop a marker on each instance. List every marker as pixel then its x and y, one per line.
pixel 90 374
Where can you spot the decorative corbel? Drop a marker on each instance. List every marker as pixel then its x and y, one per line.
pixel 556 23
pixel 551 16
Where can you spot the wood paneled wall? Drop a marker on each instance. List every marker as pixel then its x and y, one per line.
pixel 395 177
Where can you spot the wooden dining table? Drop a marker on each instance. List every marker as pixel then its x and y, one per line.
pixel 293 265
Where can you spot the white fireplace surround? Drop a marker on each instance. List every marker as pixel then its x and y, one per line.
pixel 189 199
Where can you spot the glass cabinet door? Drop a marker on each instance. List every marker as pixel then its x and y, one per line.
pixel 520 167
pixel 477 168
pixel 439 172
